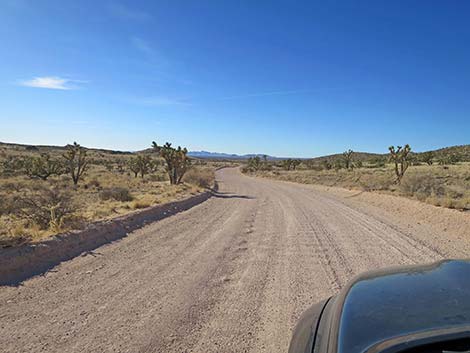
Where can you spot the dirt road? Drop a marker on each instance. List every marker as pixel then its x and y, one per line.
pixel 230 275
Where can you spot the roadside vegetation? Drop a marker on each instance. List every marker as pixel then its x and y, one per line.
pixel 47 190
pixel 440 177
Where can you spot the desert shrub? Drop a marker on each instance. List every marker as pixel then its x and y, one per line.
pixel 43 206
pixel 423 184
pixel 7 241
pixel 448 159
pixel 62 182
pixel 138 204
pixel 338 164
pixel 456 191
pixel 10 187
pixel 42 167
pixel 371 182
pixel 427 157
pixel 449 202
pixel 11 166
pixel 315 166
pixel 378 162
pixel 158 177
pixel 31 148
pixel 12 235
pixel 200 177
pixel 116 193
pixel 326 164
pixel 108 165
pixel 93 183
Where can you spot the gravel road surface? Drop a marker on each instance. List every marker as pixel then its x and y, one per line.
pixel 232 274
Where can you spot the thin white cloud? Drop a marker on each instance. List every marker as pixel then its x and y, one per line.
pixel 142 45
pixel 150 54
pixel 159 101
pixel 126 13
pixel 50 82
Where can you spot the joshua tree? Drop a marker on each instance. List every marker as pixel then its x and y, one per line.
pixel 427 158
pixel 120 166
pixel 295 163
pixel 141 164
pixel 176 159
pixel 347 156
pixel 145 164
pixel 291 164
pixel 399 156
pixel 133 165
pixel 449 159
pixel 42 167
pixel 326 164
pixel 254 163
pixel 287 164
pixel 75 161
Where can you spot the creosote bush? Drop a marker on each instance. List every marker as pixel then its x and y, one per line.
pixel 200 177
pixel 116 193
pixel 11 166
pixel 422 184
pixel 46 207
pixel 138 204
pixel 42 167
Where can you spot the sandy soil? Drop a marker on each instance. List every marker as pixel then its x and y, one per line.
pixel 230 275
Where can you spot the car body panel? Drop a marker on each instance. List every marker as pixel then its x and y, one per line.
pixel 303 340
pixel 384 310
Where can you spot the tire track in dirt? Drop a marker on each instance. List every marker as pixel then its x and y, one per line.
pixel 368 227
pixel 390 234
pixel 230 275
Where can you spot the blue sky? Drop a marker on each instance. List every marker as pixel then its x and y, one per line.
pixel 287 78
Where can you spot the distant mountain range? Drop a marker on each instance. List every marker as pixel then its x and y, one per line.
pixel 217 155
pixel 463 152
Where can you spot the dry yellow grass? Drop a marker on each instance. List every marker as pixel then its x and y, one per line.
pixel 203 177
pixel 87 200
pixel 107 190
pixel 446 186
